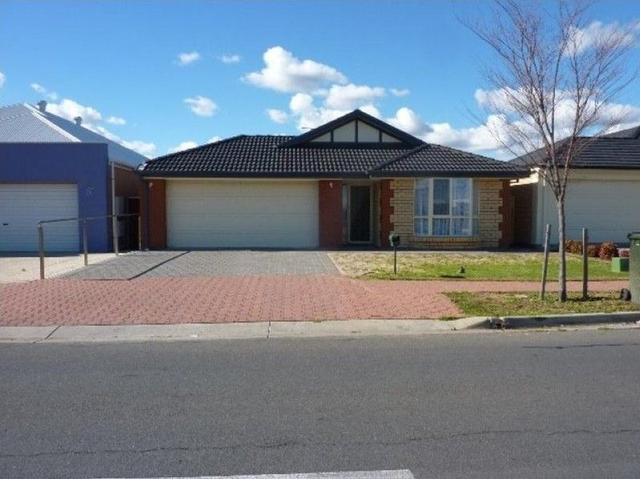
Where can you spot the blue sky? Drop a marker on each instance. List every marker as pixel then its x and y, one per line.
pixel 117 64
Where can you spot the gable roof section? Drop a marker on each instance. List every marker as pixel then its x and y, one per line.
pixel 22 123
pixel 437 160
pixel 618 151
pixel 307 137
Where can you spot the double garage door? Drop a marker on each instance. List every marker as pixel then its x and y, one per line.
pixel 242 214
pixel 22 206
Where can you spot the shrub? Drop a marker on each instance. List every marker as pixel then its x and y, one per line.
pixel 623 252
pixel 608 250
pixel 573 246
pixel 593 251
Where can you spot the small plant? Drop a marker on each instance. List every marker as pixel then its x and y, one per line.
pixel 593 251
pixel 608 250
pixel 573 246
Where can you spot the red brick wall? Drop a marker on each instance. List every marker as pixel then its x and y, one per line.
pixel 508 213
pixel 330 203
pixel 386 210
pixel 157 214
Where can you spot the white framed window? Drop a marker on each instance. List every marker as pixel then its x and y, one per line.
pixel 444 207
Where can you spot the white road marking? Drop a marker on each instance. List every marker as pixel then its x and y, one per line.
pixel 391 474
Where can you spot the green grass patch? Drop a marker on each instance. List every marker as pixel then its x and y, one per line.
pixel 477 266
pixel 530 304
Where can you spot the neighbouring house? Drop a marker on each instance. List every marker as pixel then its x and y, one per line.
pixel 52 168
pixel 350 181
pixel 603 192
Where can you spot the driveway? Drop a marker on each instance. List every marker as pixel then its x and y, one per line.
pixel 19 267
pixel 209 264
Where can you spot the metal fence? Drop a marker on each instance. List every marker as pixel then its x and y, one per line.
pixel 85 243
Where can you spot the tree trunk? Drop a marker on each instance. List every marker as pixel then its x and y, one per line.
pixel 562 254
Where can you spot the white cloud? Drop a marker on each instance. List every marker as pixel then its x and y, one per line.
pixel 400 91
pixel 598 33
pixel 409 121
pixel 92 119
pixel 3 78
pixel 71 109
pixel 142 147
pixel 234 58
pixel 185 145
pixel 187 58
pixel 51 95
pixel 349 97
pixel 116 120
pixel 277 116
pixel 214 139
pixel 285 73
pixel 38 88
pixel 201 105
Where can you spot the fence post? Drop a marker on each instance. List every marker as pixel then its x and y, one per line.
pixel 139 233
pixel 585 264
pixel 41 249
pixel 545 265
pixel 85 247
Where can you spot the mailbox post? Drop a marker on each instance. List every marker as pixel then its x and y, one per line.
pixel 394 241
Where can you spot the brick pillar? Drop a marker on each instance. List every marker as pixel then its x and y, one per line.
pixel 157 214
pixel 330 213
pixel 386 211
pixel 507 212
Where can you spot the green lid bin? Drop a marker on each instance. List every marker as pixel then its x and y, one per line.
pixel 634 266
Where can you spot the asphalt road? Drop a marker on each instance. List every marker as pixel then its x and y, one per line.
pixel 563 404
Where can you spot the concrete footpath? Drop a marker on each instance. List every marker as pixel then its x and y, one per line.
pixel 303 329
pixel 259 330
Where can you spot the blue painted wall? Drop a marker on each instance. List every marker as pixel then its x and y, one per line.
pixel 85 164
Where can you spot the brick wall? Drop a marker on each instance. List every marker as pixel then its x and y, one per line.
pixel 489 194
pixel 330 214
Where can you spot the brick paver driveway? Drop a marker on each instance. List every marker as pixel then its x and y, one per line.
pixel 182 264
pixel 230 286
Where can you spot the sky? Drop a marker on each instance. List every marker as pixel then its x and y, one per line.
pixel 167 75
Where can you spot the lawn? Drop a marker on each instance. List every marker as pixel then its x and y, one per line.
pixel 477 266
pixel 514 304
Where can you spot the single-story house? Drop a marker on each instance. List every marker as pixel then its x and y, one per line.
pixel 349 182
pixel 52 168
pixel 603 192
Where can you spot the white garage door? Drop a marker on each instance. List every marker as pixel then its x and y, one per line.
pixel 242 214
pixel 23 205
pixel 609 209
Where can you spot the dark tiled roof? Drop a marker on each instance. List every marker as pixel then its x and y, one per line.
pixel 282 157
pixel 619 150
pixel 429 160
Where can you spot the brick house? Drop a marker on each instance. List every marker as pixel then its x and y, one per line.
pixel 349 182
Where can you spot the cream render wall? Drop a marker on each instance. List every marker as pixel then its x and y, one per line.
pixel 489 217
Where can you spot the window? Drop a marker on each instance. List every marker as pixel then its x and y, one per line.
pixel 444 207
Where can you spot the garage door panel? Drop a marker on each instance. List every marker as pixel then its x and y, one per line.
pixel 218 214
pixel 609 209
pixel 22 206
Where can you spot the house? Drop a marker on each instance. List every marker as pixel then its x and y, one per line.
pixel 52 168
pixel 603 192
pixel 349 182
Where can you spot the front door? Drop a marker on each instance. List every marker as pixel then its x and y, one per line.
pixel 360 213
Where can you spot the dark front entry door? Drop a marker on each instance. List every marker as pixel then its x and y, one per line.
pixel 360 214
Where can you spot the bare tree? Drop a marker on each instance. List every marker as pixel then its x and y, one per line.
pixel 554 81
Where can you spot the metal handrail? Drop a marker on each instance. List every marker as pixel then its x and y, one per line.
pixel 85 246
